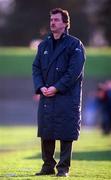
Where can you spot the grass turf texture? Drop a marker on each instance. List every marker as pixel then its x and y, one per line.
pixel 20 156
pixel 18 62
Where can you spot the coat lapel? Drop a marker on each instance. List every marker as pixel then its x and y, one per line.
pixel 56 53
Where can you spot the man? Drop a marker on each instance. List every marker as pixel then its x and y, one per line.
pixel 57 76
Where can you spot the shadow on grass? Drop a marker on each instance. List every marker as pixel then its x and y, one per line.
pixel 84 155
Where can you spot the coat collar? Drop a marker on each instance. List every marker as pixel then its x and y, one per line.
pixel 50 35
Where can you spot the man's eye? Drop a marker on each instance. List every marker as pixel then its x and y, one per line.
pixel 56 19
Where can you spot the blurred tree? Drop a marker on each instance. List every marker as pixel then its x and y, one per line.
pixel 105 19
pixel 30 20
pixel 25 23
pixel 96 31
pixel 6 9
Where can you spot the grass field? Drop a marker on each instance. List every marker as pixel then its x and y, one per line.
pixel 18 62
pixel 20 155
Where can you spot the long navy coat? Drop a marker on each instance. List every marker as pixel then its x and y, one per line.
pixel 59 117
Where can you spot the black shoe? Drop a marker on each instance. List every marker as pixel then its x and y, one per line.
pixel 62 174
pixel 43 172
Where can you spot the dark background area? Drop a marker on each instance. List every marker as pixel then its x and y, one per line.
pixel 22 21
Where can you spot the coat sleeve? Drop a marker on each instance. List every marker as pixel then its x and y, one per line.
pixel 37 74
pixel 74 70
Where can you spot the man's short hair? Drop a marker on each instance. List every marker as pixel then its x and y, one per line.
pixel 65 15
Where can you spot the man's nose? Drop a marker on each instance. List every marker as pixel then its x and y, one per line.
pixel 53 21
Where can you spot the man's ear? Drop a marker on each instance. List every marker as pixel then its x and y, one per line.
pixel 65 25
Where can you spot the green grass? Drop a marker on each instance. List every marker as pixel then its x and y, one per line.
pixel 18 62
pixel 20 155
pixel 98 62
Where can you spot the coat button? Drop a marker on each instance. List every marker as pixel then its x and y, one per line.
pixel 45 105
pixel 57 68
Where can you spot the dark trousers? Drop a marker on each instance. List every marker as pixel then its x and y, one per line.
pixel 48 149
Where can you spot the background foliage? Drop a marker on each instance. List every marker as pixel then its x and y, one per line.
pixel 30 20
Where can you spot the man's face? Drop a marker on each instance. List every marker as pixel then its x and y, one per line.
pixel 56 23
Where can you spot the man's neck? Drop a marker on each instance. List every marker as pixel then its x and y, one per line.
pixel 57 35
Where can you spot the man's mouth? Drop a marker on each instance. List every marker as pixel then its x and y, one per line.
pixel 53 26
